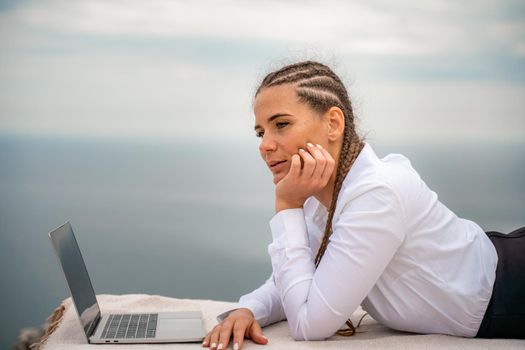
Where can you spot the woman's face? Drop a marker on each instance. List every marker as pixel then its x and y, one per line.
pixel 285 125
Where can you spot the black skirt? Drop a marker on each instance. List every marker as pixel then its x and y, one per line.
pixel 505 315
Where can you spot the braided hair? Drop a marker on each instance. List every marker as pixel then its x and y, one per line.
pixel 319 87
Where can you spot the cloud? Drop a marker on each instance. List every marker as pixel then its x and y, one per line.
pixel 187 69
pixel 435 111
pixel 359 27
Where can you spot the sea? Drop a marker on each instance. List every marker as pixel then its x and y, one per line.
pixel 188 219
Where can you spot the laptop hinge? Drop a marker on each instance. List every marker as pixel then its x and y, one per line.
pixel 94 326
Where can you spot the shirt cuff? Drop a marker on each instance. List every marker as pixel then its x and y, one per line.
pixel 256 307
pixel 259 310
pixel 289 227
pixel 225 314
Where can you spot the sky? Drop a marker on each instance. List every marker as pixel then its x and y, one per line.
pixel 187 70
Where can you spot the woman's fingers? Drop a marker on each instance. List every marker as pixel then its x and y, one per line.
pixel 256 333
pixel 239 330
pixel 320 160
pixel 309 164
pixel 318 164
pixel 225 334
pixel 295 167
pixel 330 163
pixel 302 182
pixel 214 338
pixel 235 330
pixel 206 341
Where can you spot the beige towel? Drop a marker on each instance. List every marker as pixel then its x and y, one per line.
pixel 65 331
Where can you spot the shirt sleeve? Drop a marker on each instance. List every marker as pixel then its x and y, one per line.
pixel 366 235
pixel 264 302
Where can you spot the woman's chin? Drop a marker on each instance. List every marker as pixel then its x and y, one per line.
pixel 277 177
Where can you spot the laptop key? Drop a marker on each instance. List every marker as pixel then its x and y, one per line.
pixel 141 329
pixel 113 326
pixel 132 328
pixel 152 326
pixel 106 327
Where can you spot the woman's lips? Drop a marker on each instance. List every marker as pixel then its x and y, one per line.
pixel 277 165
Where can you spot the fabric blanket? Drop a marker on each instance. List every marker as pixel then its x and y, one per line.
pixel 64 330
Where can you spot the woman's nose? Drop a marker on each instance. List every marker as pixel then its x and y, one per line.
pixel 267 144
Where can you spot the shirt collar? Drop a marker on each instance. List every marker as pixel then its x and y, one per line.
pixel 367 156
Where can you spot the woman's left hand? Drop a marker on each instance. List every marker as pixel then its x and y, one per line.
pixel 299 184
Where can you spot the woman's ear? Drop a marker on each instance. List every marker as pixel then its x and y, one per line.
pixel 335 123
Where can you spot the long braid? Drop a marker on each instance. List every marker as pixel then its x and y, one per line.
pixel 318 86
pixel 349 153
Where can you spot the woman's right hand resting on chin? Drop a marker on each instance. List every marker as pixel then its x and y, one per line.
pixel 239 324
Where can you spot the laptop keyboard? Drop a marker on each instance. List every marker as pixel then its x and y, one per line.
pixel 130 326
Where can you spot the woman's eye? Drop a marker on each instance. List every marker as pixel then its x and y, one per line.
pixel 259 134
pixel 281 125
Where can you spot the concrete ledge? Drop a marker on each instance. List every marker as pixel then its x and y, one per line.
pixel 68 334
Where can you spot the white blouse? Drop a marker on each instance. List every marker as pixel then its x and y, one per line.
pixel 397 251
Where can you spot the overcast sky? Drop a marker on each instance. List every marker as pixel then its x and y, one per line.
pixel 173 70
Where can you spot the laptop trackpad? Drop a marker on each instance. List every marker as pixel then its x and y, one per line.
pixel 182 328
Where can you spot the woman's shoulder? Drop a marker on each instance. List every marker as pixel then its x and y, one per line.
pixel 370 170
pixel 391 177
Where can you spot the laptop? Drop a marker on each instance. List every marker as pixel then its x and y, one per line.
pixel 145 327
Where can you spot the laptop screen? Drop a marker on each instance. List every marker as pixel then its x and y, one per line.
pixel 77 277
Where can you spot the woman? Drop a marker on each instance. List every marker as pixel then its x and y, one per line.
pixel 351 229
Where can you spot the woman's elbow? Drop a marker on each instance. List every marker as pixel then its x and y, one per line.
pixel 299 334
pixel 306 327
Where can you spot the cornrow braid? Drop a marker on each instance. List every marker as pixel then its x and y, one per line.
pixel 318 86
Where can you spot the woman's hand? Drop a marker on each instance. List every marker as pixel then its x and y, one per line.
pixel 299 184
pixel 242 324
